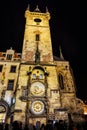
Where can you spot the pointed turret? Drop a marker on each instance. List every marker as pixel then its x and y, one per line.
pixel 28 8
pixel 61 55
pixel 47 10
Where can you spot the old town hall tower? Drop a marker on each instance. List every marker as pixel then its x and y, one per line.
pixel 40 86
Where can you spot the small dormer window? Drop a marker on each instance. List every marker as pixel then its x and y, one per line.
pixel 9 57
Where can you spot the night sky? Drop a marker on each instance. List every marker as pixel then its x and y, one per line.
pixel 68 26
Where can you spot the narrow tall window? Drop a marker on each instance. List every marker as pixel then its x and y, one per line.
pixel 60 78
pixel 24 91
pixel 37 37
pixel 1 66
pixel 10 85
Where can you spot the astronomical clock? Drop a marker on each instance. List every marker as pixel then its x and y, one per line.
pixel 37 89
pixel 37 107
pixel 37 92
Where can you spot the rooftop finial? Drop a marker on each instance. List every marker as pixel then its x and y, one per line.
pixel 47 9
pixel 37 9
pixel 28 8
pixel 11 48
pixel 61 55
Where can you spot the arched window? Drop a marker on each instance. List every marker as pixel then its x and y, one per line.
pixel 60 78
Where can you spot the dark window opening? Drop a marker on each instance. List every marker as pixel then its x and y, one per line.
pixel 1 66
pixel 10 85
pixel 37 37
pixel 13 69
pixel 4 55
pixel 61 84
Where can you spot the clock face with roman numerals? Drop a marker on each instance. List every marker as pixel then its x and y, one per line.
pixel 37 107
pixel 37 89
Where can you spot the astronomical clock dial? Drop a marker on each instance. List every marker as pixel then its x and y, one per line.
pixel 37 89
pixel 37 107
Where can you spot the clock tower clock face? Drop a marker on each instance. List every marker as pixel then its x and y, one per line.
pixel 37 107
pixel 37 89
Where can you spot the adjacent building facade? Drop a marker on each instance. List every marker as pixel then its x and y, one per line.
pixel 36 85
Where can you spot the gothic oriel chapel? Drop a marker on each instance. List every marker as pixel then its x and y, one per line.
pixel 35 85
